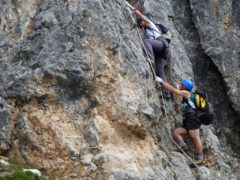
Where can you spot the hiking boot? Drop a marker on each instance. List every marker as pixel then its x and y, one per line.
pixel 184 146
pixel 165 94
pixel 199 161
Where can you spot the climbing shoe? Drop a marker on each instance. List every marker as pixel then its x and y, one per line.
pixel 200 161
pixel 165 94
pixel 184 146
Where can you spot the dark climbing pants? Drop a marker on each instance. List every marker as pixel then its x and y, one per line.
pixel 158 50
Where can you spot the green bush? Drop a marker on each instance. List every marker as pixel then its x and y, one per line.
pixel 20 175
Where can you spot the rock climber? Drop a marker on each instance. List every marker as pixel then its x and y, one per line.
pixel 191 123
pixel 156 44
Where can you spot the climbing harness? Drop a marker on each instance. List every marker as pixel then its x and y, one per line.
pixel 154 74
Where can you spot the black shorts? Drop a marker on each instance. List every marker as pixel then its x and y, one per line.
pixel 191 122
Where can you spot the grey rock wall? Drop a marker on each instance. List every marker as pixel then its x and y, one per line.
pixel 207 75
pixel 218 29
pixel 79 100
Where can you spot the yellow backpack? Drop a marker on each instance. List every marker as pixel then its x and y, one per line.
pixel 201 102
pixel 202 108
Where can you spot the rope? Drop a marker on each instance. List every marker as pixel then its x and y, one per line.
pixel 154 74
pixel 184 153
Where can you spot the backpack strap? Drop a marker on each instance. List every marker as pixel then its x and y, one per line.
pixel 167 36
pixel 190 102
pixel 147 27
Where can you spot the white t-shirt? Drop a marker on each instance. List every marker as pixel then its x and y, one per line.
pixel 152 32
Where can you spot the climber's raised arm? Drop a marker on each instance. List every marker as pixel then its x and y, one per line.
pixel 182 91
pixel 139 14
pixel 143 18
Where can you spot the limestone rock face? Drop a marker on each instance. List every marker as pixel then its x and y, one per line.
pixel 78 98
pixel 218 28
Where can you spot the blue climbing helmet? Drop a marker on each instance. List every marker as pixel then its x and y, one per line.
pixel 188 84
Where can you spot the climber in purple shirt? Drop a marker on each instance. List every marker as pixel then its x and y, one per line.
pixel 156 44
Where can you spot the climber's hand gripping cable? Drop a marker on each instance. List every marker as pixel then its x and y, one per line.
pixel 138 13
pixel 170 88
